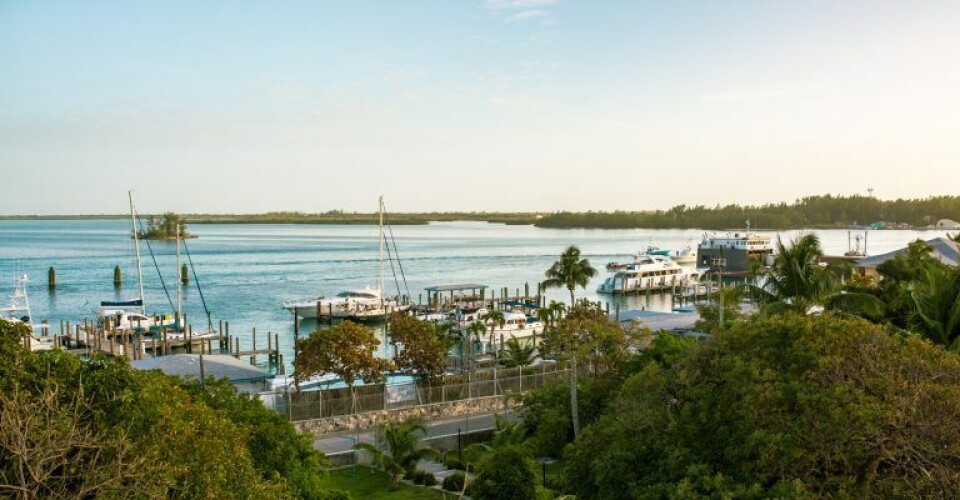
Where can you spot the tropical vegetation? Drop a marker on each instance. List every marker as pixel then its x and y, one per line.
pixel 75 428
pixel 399 448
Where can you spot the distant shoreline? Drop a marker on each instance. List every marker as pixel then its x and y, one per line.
pixel 814 212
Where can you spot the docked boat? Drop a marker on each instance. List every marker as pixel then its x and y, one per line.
pixel 17 311
pixel 131 315
pixel 515 324
pixel 734 252
pixel 649 272
pixel 325 306
pixel 363 309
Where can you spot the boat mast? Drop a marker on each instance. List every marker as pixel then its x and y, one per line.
pixel 179 282
pixel 382 269
pixel 136 244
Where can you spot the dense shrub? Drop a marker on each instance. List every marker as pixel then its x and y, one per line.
pixel 788 407
pixel 454 482
pixel 429 479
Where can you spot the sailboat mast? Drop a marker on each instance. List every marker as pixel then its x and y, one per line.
pixel 382 268
pixel 136 245
pixel 179 282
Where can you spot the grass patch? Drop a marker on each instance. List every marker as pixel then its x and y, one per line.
pixel 373 484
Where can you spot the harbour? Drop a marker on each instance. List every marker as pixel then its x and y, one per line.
pixel 249 271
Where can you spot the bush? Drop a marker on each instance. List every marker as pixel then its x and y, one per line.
pixel 410 475
pixel 454 482
pixel 429 479
pixel 419 477
pixel 455 464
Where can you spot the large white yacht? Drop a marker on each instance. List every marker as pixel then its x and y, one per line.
pixel 648 272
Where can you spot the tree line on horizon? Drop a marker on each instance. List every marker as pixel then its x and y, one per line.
pixel 821 211
pixel 813 211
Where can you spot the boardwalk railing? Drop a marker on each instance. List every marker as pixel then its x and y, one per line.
pixel 308 405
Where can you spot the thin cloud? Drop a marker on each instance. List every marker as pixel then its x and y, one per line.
pixel 517 4
pixel 528 15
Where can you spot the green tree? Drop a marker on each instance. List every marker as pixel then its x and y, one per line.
pixel 496 320
pixel 506 474
pixel 787 406
pixel 424 351
pixel 796 282
pixel 399 449
pixel 936 305
pixel 275 446
pixel 517 354
pixel 346 350
pixel 570 272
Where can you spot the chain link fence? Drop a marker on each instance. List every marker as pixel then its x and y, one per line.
pixel 309 405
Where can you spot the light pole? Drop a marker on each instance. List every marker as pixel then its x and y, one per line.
pixel 719 263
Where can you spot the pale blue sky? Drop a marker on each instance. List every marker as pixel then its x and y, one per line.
pixel 473 105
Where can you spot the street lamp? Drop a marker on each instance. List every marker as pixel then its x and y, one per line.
pixel 718 264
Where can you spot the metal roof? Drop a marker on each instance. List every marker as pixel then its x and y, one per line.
pixel 944 249
pixel 214 365
pixel 454 288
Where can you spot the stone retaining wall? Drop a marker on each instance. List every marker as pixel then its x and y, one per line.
pixel 370 420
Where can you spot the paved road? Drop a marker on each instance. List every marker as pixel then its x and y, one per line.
pixel 343 442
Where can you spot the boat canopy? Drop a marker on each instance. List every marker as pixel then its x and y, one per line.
pixel 122 303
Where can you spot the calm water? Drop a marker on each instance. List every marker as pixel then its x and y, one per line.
pixel 247 271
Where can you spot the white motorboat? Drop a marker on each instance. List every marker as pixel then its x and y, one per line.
pixel 18 311
pixel 325 306
pixel 363 308
pixel 649 272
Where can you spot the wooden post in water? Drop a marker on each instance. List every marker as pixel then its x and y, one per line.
pixel 269 349
pixel 184 275
pixel 117 277
pixel 255 338
pixel 52 279
pixel 236 351
pixel 276 348
pixel 190 339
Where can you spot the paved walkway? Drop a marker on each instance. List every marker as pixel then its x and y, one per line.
pixel 343 442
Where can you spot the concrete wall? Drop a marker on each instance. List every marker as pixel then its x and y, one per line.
pixel 370 420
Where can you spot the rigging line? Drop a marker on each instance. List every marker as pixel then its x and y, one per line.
pixel 157 266
pixel 196 279
pixel 397 251
pixel 392 269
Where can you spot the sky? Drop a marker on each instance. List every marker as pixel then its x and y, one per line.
pixel 471 105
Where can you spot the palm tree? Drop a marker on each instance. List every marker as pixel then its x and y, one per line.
pixel 505 434
pixel 936 305
pixel 471 334
pixel 400 450
pixel 517 354
pixel 496 319
pixel 551 313
pixel 570 271
pixel 797 282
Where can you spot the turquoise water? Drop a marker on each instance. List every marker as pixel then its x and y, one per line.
pixel 247 271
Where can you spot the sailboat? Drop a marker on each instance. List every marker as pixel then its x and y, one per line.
pixel 131 315
pixel 375 310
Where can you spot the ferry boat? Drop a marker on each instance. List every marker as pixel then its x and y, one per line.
pixel 648 272
pixel 733 252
